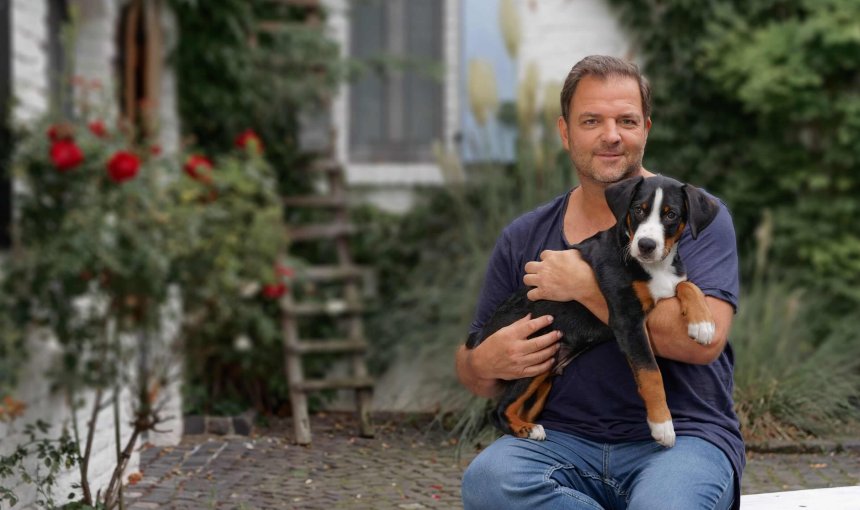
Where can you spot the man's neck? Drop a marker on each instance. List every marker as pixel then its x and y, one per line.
pixel 587 211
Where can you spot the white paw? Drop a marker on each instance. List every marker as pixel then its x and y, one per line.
pixel 702 332
pixel 538 433
pixel 663 433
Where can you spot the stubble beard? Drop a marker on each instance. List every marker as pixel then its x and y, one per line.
pixel 586 168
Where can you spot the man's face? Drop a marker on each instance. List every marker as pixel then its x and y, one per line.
pixel 606 132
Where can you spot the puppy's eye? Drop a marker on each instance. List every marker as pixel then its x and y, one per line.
pixel 671 216
pixel 638 211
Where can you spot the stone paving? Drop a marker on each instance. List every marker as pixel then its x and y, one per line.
pixel 407 466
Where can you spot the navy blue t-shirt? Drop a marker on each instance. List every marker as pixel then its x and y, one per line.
pixel 596 396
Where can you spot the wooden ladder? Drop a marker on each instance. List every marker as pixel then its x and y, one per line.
pixel 349 310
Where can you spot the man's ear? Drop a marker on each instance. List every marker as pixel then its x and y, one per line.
pixel 563 133
pixel 701 210
pixel 620 194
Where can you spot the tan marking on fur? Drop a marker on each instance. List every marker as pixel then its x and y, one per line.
pixel 519 426
pixel 643 293
pixel 542 393
pixel 693 305
pixel 650 383
pixel 630 232
pixel 670 242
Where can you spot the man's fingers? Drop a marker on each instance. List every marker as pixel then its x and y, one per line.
pixel 538 369
pixel 542 342
pixel 540 356
pixel 527 328
pixel 532 267
pixel 534 294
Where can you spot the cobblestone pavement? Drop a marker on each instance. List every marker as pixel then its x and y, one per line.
pixel 404 467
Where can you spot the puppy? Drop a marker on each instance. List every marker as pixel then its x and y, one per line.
pixel 636 263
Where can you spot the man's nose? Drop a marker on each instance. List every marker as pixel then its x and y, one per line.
pixel 610 133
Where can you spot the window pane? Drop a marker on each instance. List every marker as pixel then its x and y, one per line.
pixel 423 90
pixel 397 116
pixel 367 109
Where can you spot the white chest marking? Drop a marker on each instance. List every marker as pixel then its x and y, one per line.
pixel 663 278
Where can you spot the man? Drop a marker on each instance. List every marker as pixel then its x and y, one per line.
pixel 599 452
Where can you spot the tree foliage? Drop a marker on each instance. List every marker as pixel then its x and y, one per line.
pixel 758 101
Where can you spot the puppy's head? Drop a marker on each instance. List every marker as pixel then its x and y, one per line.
pixel 653 213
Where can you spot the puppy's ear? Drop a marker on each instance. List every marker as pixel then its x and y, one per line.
pixel 620 194
pixel 701 210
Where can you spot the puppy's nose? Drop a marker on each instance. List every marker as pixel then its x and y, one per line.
pixel 646 246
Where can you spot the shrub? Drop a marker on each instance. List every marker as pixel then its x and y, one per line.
pixel 788 384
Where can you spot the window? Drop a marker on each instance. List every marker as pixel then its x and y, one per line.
pixel 5 114
pixel 397 114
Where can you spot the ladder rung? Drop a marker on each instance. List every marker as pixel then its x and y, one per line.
pixel 327 346
pixel 326 166
pixel 335 384
pixel 333 307
pixel 329 273
pixel 321 201
pixel 326 231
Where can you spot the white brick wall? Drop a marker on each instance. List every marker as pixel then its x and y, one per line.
pixel 95 57
pixel 559 33
pixel 29 59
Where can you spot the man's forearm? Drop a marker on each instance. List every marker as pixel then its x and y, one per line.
pixel 667 330
pixel 468 377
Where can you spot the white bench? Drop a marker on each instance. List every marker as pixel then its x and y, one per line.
pixel 836 498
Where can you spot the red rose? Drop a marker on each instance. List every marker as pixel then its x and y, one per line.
pixel 274 290
pixel 66 155
pixel 123 166
pixel 249 138
pixel 198 167
pixel 98 128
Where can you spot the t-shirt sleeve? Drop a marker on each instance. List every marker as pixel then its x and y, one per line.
pixel 712 259
pixel 500 281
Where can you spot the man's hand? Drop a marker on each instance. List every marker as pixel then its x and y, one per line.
pixel 508 354
pixel 559 276
pixel 564 276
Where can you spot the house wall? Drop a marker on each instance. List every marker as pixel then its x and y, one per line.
pixel 95 58
pixel 559 33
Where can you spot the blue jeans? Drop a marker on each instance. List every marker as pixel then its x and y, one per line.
pixel 569 472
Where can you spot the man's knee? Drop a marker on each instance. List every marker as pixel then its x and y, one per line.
pixel 482 483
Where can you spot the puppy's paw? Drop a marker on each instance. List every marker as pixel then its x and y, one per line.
pixel 702 332
pixel 663 433
pixel 537 433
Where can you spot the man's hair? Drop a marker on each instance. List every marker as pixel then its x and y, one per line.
pixel 603 67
